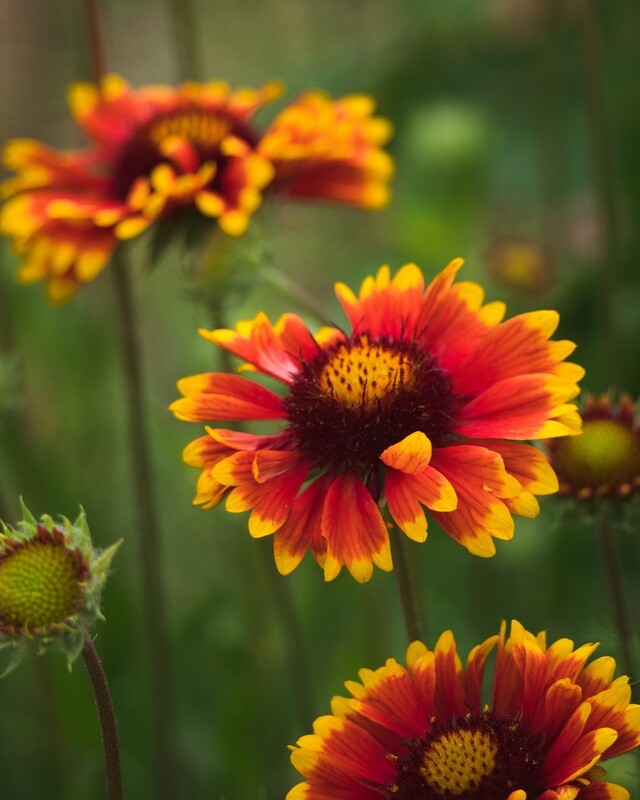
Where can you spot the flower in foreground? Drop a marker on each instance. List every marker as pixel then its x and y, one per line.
pixel 51 580
pixel 604 460
pixel 424 730
pixel 423 403
pixel 158 149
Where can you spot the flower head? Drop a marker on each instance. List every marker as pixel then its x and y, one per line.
pixel 424 730
pixel 158 149
pixel 604 460
pixel 423 403
pixel 51 580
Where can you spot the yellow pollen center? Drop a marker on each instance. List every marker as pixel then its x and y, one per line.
pixel 459 761
pixel 364 374
pixel 38 586
pixel 606 452
pixel 204 130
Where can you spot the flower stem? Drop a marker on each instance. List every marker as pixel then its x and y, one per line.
pixel 107 718
pixel 620 609
pixel 96 40
pixel 155 614
pixel 407 586
pixel 294 640
pixel 603 179
pixel 184 36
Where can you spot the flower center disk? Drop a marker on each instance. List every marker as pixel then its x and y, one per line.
pixel 361 395
pixel 606 452
pixel 365 374
pixel 459 760
pixel 477 757
pixel 203 129
pixel 39 585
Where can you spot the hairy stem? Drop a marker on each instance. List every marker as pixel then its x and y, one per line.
pixel 106 717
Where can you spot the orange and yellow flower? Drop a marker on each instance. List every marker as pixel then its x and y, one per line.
pixel 157 149
pixel 425 403
pixel 425 731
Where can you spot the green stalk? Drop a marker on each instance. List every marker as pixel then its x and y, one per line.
pixel 603 180
pixel 183 28
pixel 403 570
pixel 149 538
pixel 621 615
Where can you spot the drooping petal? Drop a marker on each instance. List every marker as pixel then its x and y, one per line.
pixel 481 484
pixel 354 529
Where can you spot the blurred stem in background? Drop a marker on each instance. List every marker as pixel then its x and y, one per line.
pixel 552 129
pixel 413 617
pixel 620 609
pixel 150 550
pixel 148 529
pixel 282 601
pixel 189 66
pixel 603 176
pixel 183 29
pixel 107 719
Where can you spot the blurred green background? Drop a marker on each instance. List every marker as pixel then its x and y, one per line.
pixel 492 141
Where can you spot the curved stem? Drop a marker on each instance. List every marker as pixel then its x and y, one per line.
pixel 155 613
pixel 620 610
pixel 407 586
pixel 107 718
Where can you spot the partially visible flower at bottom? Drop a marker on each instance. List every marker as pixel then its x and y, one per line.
pixel 423 731
pixel 51 580
pixel 604 459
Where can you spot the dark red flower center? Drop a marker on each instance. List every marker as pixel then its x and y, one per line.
pixel 359 396
pixel 203 128
pixel 478 757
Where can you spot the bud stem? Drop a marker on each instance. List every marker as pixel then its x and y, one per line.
pixel 107 718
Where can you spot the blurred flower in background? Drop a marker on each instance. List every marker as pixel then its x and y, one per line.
pixel 378 414
pixel 425 731
pixel 521 264
pixel 158 149
pixel 51 581
pixel 604 460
